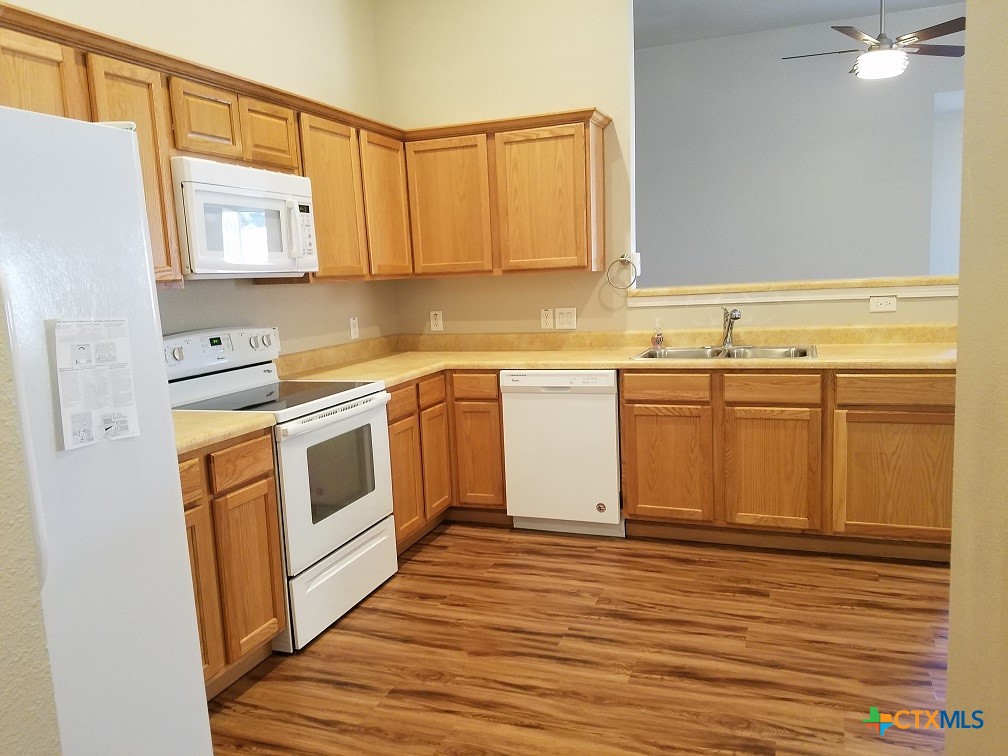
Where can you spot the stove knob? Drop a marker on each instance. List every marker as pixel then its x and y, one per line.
pixel 178 353
pixel 254 342
pixel 267 340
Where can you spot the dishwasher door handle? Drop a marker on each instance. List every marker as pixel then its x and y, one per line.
pixel 555 389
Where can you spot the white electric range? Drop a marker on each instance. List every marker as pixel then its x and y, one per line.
pixel 333 472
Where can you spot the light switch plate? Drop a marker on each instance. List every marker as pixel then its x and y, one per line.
pixel 354 328
pixel 566 318
pixel 546 318
pixel 436 320
pixel 882 304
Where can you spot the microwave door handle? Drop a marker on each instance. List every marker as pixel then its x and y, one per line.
pixel 294 221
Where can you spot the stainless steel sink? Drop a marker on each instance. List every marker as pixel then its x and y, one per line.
pixel 735 353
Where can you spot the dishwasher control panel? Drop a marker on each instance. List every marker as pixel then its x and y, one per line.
pixel 602 381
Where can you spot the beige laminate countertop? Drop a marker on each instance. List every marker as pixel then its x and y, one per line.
pixel 405 366
pixel 195 429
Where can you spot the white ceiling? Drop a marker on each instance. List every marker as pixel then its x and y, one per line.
pixel 665 22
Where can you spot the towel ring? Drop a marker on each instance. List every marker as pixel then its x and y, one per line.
pixel 625 260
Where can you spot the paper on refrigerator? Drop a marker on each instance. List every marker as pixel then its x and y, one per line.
pixel 95 379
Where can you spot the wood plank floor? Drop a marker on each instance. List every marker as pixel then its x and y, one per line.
pixel 490 640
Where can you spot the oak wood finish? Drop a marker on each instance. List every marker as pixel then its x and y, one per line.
pixel 403 401
pixel 436 456
pixel 269 133
pixel 42 76
pixel 665 387
pixel 241 463
pixel 193 480
pixel 542 197
pixel 537 121
pixel 386 205
pixel 479 453
pixel 802 388
pixel 449 201
pixel 518 642
pixel 205 119
pixel 432 391
pixel 126 92
pixel 772 467
pixel 249 567
pixel 203 563
pixel 407 476
pixel 667 455
pixel 906 389
pixel 475 386
pixel 332 162
pixel 892 474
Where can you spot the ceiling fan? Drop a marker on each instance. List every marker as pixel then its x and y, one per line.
pixel 887 57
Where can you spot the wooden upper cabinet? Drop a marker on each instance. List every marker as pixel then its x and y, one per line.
pixel 449 200
pixel 42 76
pixel 205 119
pixel 332 162
pixel 542 198
pixel 269 133
pixel 126 92
pixel 383 166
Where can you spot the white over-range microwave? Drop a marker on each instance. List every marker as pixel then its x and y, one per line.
pixel 239 222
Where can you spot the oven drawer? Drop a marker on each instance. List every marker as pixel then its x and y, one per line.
pixel 326 591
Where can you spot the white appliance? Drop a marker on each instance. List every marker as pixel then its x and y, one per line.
pixel 334 472
pixel 561 450
pixel 239 222
pixel 117 594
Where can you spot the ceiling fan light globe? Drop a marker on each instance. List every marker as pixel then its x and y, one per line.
pixel 881 64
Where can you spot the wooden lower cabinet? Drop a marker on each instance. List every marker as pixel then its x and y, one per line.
pixel 892 474
pixel 233 531
pixel 436 454
pixel 771 467
pixel 479 453
pixel 407 476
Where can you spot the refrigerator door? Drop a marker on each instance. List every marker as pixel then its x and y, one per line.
pixel 117 596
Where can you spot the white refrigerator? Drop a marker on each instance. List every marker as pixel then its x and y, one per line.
pixel 116 596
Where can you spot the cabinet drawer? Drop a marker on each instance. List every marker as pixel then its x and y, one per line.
pixel 191 475
pixel 432 391
pixel 905 390
pixel 745 388
pixel 241 463
pixel 474 385
pixel 666 387
pixel 403 402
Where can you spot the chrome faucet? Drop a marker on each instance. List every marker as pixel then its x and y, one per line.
pixel 729 324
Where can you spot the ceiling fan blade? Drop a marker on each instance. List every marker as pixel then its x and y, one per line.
pixel 947 51
pixel 932 32
pixel 816 55
pixel 857 34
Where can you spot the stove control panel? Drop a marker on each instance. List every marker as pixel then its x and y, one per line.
pixel 210 351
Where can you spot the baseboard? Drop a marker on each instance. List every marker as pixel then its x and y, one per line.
pixel 811 542
pixel 496 517
pixel 428 526
pixel 239 669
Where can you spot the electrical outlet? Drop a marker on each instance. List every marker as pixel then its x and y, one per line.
pixel 354 328
pixel 566 318
pixel 436 321
pixel 882 304
pixel 546 318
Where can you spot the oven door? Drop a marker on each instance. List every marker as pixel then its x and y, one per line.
pixel 335 477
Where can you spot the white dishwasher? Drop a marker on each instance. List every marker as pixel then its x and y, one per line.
pixel 561 450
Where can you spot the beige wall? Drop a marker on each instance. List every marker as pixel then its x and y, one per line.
pixel 978 664
pixel 27 707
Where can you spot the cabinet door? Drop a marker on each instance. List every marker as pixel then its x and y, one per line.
pixel 668 456
pixel 43 76
pixel 772 467
pixel 205 119
pixel 542 198
pixel 332 162
pixel 436 459
pixel 269 133
pixel 248 560
pixel 479 454
pixel 125 92
pixel 203 562
pixel 892 474
pixel 449 201
pixel 407 476
pixel 383 164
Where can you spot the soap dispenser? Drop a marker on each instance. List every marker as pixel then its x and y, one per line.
pixel 657 338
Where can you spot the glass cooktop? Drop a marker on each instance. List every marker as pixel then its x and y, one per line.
pixel 274 397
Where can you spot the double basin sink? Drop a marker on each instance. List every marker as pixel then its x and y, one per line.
pixel 735 352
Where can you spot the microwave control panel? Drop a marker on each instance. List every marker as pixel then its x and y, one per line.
pixel 307 234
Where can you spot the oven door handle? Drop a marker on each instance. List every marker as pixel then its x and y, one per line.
pixel 335 415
